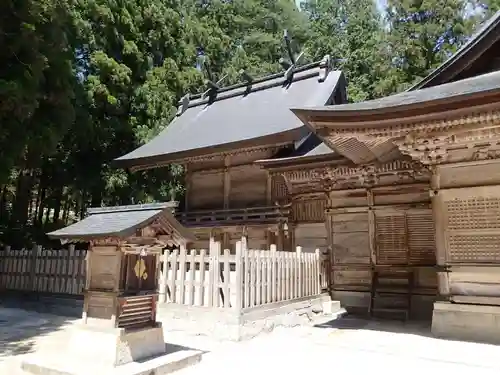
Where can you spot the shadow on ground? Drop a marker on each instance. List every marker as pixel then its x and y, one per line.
pixel 20 330
pixel 349 322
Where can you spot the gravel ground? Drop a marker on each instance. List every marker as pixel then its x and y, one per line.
pixel 347 344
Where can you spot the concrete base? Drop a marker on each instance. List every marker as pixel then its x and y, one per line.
pixel 466 322
pixel 161 365
pixel 116 346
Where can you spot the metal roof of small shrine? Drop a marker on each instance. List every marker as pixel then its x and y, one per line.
pixel 119 221
pixel 243 115
pixel 484 37
pixel 484 84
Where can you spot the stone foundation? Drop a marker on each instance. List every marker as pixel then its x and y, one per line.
pixel 466 322
pixel 114 347
pixel 228 324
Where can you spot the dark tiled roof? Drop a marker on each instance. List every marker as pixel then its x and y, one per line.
pixel 480 84
pixel 240 114
pixel 469 50
pixel 118 221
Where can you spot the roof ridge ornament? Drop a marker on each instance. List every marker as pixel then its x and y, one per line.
pixel 213 86
pixel 291 64
pixel 184 104
pixel 325 67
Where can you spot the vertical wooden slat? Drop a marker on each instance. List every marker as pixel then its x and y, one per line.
pixel 173 275
pixel 258 278
pixel 246 277
pixel 281 275
pixel 253 273
pixel 182 276
pixel 211 276
pixel 274 274
pixel 162 287
pixel 201 289
pixel 239 276
pixel 216 273
pixel 269 277
pixel 192 279
pixel 317 270
pixel 300 287
pixel 227 279
pixel 306 274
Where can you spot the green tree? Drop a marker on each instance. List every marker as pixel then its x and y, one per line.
pixel 351 32
pixel 421 35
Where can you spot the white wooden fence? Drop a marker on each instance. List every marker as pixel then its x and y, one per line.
pixel 43 270
pixel 215 278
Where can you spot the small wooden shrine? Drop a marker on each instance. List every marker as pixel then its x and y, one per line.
pixel 122 278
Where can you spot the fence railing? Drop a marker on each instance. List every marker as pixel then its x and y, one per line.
pixel 215 278
pixel 43 270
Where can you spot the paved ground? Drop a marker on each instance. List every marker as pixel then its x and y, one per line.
pixel 349 345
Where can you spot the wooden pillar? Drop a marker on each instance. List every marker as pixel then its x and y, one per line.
pixel 188 185
pixel 269 187
pixel 162 288
pixel 281 238
pixel 227 181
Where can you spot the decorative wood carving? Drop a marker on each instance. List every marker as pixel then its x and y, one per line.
pixel 334 177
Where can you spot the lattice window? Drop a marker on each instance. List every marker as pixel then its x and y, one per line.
pixel 406 237
pixel 473 230
pixel 474 248
pixel 474 213
pixel 391 239
pixel 278 189
pixel 421 237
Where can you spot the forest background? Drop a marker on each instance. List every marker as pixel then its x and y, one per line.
pixel 85 81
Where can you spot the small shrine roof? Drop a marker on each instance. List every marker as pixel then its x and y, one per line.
pixel 120 222
pixel 243 115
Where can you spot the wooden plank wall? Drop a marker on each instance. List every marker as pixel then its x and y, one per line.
pixel 229 181
pixel 384 228
pixel 43 270
pixel 311 236
pixel 469 243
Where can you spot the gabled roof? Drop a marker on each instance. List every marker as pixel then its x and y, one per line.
pixel 240 116
pixel 479 43
pixel 120 222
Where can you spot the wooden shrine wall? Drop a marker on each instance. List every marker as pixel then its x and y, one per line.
pixel 231 181
pixel 468 232
pixel 248 186
pixel 383 228
pixel 311 236
pixel 257 237
pixel 206 190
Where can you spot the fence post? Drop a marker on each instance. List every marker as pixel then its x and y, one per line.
pixel 299 261
pixel 318 271
pixel 239 277
pixel 32 276
pixel 211 261
pixel 162 298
